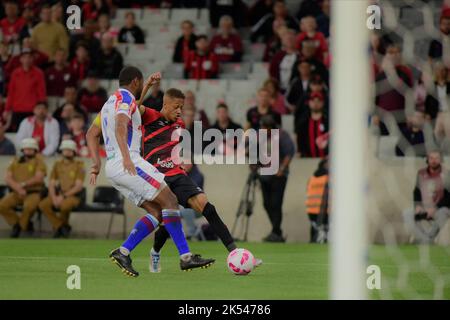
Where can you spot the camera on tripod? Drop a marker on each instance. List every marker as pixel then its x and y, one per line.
pixel 246 204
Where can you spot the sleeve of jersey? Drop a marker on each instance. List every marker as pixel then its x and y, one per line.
pixel 149 116
pixel 125 105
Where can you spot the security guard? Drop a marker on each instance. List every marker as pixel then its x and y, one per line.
pixel 65 185
pixel 317 194
pixel 25 177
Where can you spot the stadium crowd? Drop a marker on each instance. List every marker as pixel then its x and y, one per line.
pixel 40 58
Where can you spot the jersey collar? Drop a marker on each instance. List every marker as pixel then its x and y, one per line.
pixel 132 95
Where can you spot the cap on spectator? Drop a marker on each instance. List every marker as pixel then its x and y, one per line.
pixel 68 145
pixel 316 95
pixel 29 143
pixel 445 13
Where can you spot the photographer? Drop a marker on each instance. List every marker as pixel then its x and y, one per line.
pixel 431 193
pixel 273 186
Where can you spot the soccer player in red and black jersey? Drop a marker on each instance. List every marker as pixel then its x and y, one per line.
pixel 157 146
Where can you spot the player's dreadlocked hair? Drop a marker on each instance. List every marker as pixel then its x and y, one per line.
pixel 174 93
pixel 128 74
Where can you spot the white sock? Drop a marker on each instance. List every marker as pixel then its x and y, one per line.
pixel 124 251
pixel 186 256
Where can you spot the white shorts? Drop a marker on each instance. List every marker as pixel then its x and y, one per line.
pixel 145 186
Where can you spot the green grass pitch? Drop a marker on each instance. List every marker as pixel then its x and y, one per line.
pixel 36 269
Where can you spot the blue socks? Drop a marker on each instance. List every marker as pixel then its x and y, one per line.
pixel 142 228
pixel 172 223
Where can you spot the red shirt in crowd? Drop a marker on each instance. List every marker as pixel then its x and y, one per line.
pixel 320 43
pixel 316 131
pixel 58 80
pixel 11 30
pixel 226 49
pixel 25 89
pixel 38 135
pixel 201 66
pixel 79 69
pixel 39 60
pixel 92 101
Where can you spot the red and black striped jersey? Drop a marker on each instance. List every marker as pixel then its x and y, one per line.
pixel 157 143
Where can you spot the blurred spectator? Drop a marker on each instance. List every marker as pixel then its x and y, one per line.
pixel 264 27
pixel 70 96
pixel 412 139
pixel 273 45
pixel 442 132
pixel 155 99
pixel 227 44
pixel 308 53
pixel 30 21
pixel 436 49
pixel 92 9
pixel 131 32
pixel 40 59
pixel 63 117
pixel 283 63
pixel 25 177
pixel 7 148
pixel 92 96
pixel 185 43
pixel 60 75
pixel 438 97
pixel 262 108
pixel 392 84
pixel 224 122
pixel 42 127
pixel 105 27
pixel 312 129
pixel 308 27
pixel 199 114
pixel 58 13
pixel 201 63
pixel 277 100
pixel 234 8
pixel 259 9
pixel 48 35
pixel 87 37
pixel 317 193
pixel 5 56
pixel 273 186
pixel 431 193
pixel 309 8
pixel 12 24
pixel 77 133
pixel 25 90
pixel 109 60
pixel 323 19
pixel 81 63
pixel 299 86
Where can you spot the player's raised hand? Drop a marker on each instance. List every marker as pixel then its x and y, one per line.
pixel 128 166
pixel 153 79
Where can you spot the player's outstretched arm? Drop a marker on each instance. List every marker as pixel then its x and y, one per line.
pixel 121 130
pixel 93 142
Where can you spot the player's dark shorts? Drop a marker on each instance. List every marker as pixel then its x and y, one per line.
pixel 183 187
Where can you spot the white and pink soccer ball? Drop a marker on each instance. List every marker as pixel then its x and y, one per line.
pixel 240 261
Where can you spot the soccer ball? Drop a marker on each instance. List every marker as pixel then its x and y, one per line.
pixel 240 261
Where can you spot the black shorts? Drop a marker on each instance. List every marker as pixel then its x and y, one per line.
pixel 183 187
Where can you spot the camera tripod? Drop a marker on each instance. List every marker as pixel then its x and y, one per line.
pixel 246 204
